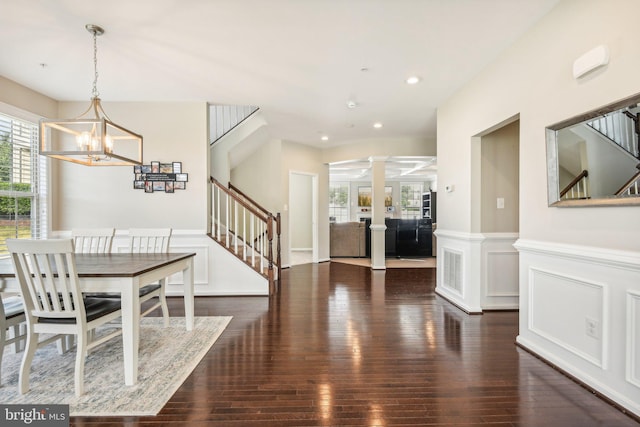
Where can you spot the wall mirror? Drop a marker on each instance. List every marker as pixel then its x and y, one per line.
pixel 593 159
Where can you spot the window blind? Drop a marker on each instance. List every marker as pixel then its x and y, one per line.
pixel 23 184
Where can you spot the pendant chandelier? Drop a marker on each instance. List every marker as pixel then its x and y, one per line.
pixel 91 139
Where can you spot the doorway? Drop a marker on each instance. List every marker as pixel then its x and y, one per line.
pixel 303 218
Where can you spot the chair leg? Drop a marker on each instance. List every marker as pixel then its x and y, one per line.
pixel 81 353
pixel 15 331
pixel 27 359
pixel 163 302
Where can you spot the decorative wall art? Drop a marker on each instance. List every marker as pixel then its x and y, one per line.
pixel 160 177
pixel 364 196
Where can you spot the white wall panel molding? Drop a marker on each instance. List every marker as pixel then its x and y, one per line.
pixel 464 252
pixel 200 268
pixel 582 329
pixel 500 282
pixel 502 274
pixel 458 235
pixel 564 289
pixel 633 338
pixel 489 270
pixel 604 256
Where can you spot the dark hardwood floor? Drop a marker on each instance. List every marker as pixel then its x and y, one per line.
pixel 342 345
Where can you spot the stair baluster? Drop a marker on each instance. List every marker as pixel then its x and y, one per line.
pixel 255 234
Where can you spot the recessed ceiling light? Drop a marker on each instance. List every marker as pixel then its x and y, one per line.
pixel 377 125
pixel 352 104
pixel 413 80
pixel 324 138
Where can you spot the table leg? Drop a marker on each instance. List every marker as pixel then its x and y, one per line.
pixel 187 278
pixel 130 303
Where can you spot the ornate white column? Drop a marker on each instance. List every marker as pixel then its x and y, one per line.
pixel 378 226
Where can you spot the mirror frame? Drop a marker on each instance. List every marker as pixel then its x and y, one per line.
pixel 551 136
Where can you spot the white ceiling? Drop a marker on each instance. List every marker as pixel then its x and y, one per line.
pixel 300 61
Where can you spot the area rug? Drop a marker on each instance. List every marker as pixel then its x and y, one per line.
pixel 166 358
pixel 391 262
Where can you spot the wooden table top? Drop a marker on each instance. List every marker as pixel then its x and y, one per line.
pixel 111 265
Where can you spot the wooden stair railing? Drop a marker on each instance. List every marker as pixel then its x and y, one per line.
pixel 278 222
pixel 577 188
pixel 631 187
pixel 247 230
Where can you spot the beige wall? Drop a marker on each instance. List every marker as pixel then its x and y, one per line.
pixel 572 265
pixel 499 179
pixel 26 99
pixel 534 79
pixel 104 196
pixel 301 209
pixel 259 176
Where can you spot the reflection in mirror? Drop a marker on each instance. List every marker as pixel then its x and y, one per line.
pixel 594 159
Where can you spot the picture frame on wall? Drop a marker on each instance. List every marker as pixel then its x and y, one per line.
pixel 388 196
pixel 158 176
pixel 364 196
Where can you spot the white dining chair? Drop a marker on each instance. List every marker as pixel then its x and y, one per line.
pixel 93 240
pixel 152 240
pixel 54 304
pixel 12 318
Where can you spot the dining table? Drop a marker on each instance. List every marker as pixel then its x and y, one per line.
pixel 125 274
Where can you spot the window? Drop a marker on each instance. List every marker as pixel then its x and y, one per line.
pixel 339 202
pixel 411 200
pixel 22 191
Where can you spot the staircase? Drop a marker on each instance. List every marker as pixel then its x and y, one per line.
pixel 622 128
pixel 578 188
pixel 247 230
pixel 224 118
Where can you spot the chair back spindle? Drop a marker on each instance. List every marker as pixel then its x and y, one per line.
pixel 93 241
pixel 149 240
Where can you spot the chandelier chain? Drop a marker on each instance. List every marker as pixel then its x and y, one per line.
pixel 95 92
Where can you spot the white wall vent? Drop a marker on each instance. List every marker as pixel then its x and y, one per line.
pixel 452 277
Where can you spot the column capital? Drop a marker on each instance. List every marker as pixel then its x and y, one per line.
pixel 378 158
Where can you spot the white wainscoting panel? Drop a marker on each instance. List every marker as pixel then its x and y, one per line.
pixel 555 315
pixel 500 280
pixel 502 274
pixel 200 267
pixel 633 338
pixel 580 311
pixel 459 269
